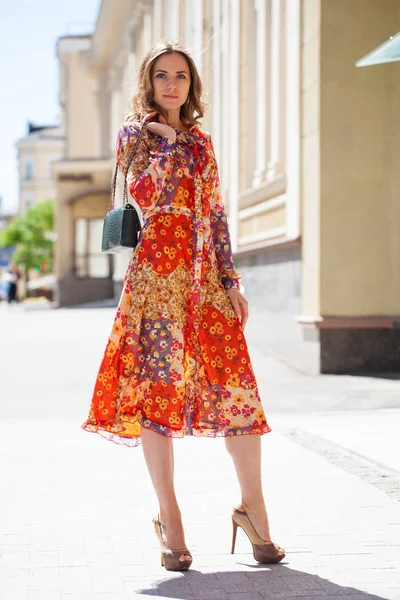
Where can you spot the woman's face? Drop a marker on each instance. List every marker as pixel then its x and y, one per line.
pixel 171 81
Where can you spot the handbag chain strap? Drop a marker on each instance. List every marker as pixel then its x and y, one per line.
pixel 128 164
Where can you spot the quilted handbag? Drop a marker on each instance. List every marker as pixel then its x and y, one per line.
pixel 121 225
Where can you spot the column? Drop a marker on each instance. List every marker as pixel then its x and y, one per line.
pixel 173 15
pixel 147 32
pixel 262 87
pixel 234 131
pixel 275 90
pixel 292 92
pixel 115 86
pixel 130 71
pixel 157 18
pixel 103 100
pixel 197 16
pixel 216 83
pixel 188 25
pixel 225 101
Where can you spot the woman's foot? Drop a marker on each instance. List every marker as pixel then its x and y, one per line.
pixel 173 533
pixel 259 519
pixel 264 551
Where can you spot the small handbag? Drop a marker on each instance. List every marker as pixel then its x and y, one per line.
pixel 121 225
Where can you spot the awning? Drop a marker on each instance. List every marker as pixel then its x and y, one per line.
pixel 387 52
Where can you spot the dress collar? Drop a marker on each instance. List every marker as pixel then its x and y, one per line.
pixel 194 134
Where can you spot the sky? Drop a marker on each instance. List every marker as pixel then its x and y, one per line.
pixel 29 73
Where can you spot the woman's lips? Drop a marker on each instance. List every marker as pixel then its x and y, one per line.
pixel 173 97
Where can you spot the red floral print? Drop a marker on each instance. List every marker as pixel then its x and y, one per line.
pixel 176 360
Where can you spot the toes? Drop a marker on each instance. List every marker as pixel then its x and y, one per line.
pixel 185 558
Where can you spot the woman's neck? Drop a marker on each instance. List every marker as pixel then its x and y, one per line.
pixel 174 120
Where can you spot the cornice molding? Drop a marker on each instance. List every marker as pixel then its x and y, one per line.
pixel 111 25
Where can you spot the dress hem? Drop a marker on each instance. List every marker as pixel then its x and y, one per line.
pixel 132 442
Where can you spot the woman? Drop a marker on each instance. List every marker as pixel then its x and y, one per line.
pixel 176 362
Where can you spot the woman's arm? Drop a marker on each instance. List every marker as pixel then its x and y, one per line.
pixel 149 169
pixel 222 241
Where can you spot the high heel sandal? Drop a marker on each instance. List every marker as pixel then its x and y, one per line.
pixel 171 559
pixel 264 552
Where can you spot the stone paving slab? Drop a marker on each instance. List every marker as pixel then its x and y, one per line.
pixel 76 510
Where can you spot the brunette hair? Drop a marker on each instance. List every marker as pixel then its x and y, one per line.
pixel 143 101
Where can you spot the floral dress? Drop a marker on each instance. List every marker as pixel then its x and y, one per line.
pixel 176 361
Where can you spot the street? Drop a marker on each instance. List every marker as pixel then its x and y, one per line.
pixel 76 510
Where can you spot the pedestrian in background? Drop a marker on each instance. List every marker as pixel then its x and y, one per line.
pixel 176 362
pixel 12 277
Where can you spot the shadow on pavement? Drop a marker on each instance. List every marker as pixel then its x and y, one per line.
pixel 393 376
pixel 275 581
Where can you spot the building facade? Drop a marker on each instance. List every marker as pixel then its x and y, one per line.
pixel 43 145
pixel 307 156
pixel 82 178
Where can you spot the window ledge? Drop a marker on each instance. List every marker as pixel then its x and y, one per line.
pixel 269 190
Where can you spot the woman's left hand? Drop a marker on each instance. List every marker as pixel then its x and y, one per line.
pixel 240 305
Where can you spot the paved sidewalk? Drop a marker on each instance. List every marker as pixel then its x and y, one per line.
pixel 76 510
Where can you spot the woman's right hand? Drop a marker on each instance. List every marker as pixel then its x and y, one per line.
pixel 162 128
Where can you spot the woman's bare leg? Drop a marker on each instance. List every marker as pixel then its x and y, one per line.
pixel 159 456
pixel 246 453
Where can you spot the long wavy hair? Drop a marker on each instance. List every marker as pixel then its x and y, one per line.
pixel 143 100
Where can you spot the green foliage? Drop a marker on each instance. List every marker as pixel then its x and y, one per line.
pixel 27 233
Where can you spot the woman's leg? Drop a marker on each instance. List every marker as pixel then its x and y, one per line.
pixel 159 456
pixel 246 453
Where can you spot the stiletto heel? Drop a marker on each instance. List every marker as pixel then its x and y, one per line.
pixel 171 560
pixel 234 532
pixel 264 552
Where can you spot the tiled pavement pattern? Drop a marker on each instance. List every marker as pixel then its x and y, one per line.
pixel 75 510
pixel 380 476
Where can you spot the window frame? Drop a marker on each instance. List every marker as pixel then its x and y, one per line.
pixel 85 257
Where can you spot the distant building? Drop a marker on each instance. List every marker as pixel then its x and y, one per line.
pixel 37 151
pixel 82 180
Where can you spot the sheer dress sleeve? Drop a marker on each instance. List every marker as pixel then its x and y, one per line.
pixel 221 238
pixel 149 169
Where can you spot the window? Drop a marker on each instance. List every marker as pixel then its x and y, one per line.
pixel 89 260
pixel 28 168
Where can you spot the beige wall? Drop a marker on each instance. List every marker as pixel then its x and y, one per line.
pixel 360 180
pixel 82 121
pixel 350 150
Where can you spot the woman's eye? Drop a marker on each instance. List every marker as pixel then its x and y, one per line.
pixel 160 75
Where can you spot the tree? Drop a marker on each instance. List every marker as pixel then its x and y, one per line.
pixel 27 233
